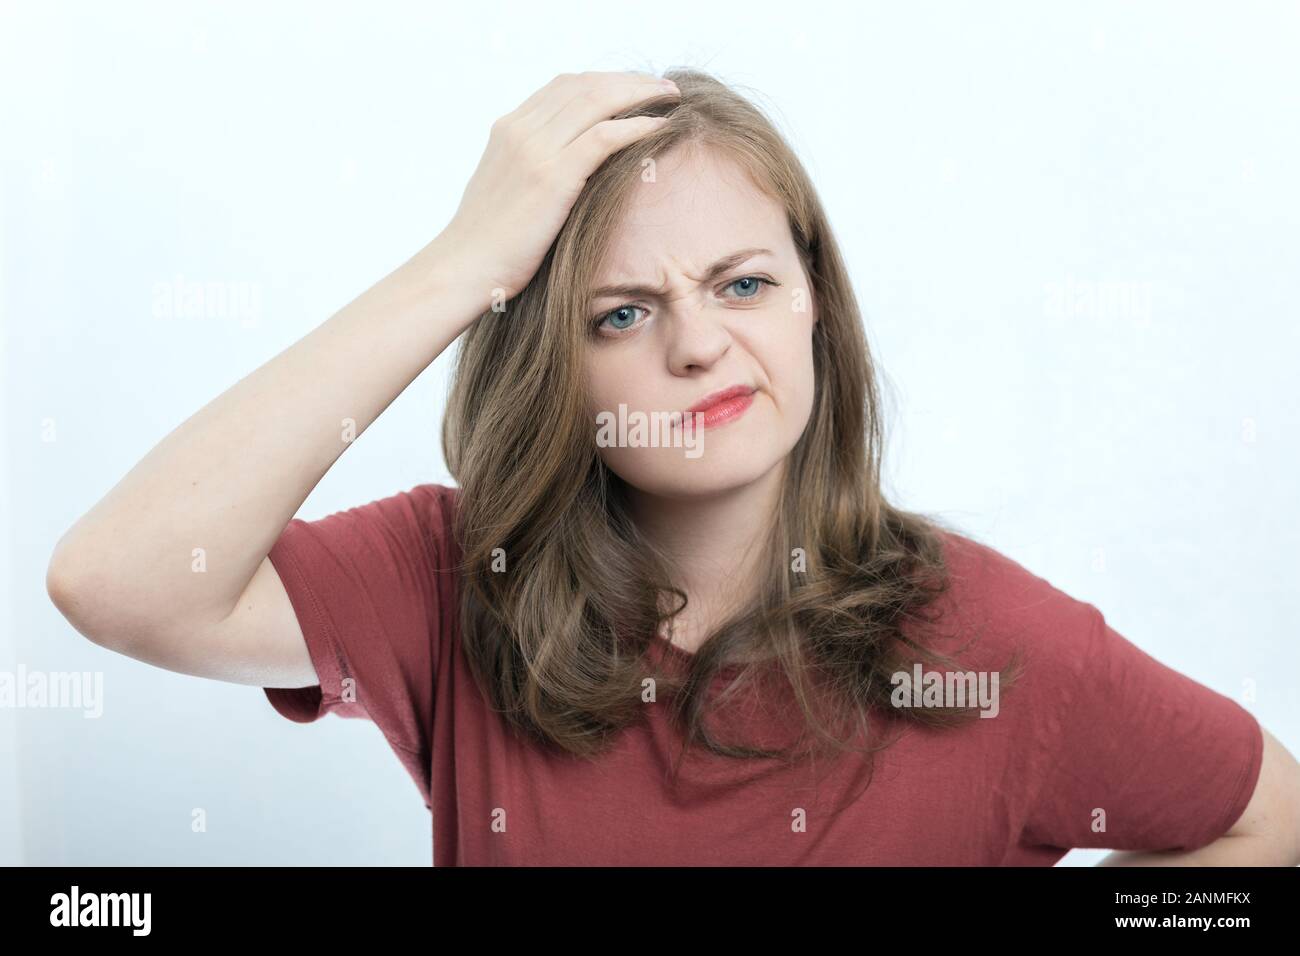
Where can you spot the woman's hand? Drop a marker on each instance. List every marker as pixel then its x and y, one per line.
pixel 537 160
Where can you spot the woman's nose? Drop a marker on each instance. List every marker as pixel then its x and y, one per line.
pixel 696 339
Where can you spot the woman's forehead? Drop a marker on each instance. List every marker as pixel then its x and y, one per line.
pixel 689 227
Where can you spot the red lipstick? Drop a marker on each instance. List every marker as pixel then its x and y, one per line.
pixel 725 405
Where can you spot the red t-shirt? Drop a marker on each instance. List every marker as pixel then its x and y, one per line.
pixel 1095 733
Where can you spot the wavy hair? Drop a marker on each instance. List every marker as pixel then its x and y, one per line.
pixel 558 641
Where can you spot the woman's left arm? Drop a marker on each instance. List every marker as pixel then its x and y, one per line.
pixel 1268 833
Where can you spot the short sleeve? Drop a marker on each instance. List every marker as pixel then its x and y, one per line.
pixel 371 589
pixel 1145 758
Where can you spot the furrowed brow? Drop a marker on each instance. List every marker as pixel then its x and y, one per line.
pixel 719 268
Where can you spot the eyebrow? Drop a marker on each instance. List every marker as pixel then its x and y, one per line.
pixel 722 266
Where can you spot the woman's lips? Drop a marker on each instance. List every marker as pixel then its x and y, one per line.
pixel 718 408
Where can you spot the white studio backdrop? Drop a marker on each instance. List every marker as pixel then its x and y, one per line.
pixel 1072 228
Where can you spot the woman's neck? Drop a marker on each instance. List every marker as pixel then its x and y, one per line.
pixel 717 545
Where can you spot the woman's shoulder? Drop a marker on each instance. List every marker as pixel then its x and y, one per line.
pixel 1010 604
pixel 413 526
pixel 433 506
pixel 433 500
pixel 408 527
pixel 432 494
pixel 981 573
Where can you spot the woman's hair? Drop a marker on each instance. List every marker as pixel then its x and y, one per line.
pixel 555 624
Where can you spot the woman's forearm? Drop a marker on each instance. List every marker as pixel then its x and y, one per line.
pixel 217 491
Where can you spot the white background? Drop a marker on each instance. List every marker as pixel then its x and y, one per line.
pixel 986 167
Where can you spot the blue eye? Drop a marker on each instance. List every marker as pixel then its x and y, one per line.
pixel 620 319
pixel 625 316
pixel 753 285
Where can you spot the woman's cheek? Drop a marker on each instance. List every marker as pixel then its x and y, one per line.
pixel 793 371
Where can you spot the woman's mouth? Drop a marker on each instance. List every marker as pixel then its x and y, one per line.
pixel 719 407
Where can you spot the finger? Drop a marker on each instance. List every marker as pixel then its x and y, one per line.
pixel 551 98
pixel 581 157
pixel 595 105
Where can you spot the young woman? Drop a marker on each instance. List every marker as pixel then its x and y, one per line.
pixel 708 639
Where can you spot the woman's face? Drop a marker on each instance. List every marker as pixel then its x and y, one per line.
pixel 689 324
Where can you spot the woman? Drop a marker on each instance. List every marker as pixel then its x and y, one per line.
pixel 709 639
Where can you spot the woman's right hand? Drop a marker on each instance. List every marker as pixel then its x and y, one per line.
pixel 537 160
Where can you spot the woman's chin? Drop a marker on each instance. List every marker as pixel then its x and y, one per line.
pixel 681 477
